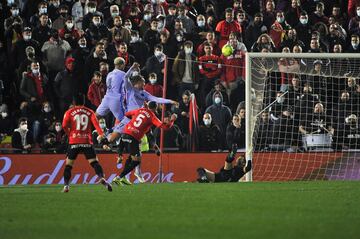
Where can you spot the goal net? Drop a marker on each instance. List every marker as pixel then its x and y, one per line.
pixel 302 116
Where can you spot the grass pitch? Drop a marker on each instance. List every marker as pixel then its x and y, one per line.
pixel 183 210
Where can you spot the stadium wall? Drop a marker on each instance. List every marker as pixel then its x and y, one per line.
pixel 48 168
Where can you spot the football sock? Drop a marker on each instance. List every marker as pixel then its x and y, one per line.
pixel 129 166
pixel 67 174
pixel 98 169
pixel 121 147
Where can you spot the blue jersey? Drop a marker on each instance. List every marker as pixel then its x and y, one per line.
pixel 115 82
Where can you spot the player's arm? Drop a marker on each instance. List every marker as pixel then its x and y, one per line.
pixel 127 83
pixel 159 100
pixel 65 124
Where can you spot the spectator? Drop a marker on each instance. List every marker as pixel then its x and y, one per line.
pixel 69 33
pixel 110 12
pixel 59 22
pixel 47 118
pixel 123 53
pixel 14 9
pixel 317 122
pixel 349 133
pixel 200 31
pixel 78 12
pixel 269 13
pixel 168 44
pixel 97 30
pixel 217 87
pixel 278 29
pixel 220 114
pixel 93 61
pixel 54 52
pixel 233 69
pixel 354 23
pixel 187 22
pixel 106 130
pixel 138 48
pixel 155 64
pixel 254 30
pixel 209 135
pixel 172 137
pixel 35 18
pixel 293 13
pixel 53 9
pixel 303 29
pixel 97 90
pixel 88 17
pixel 185 70
pixel 265 129
pixel 124 32
pixel 21 137
pixel 6 124
pixel 318 15
pixel 56 140
pixel 307 100
pixel 42 32
pixel 145 24
pixel 225 27
pixel 153 87
pixel 152 36
pixel 183 113
pixel 292 40
pixel 65 86
pixel 210 70
pixel 263 42
pixel 210 38
pixel 354 47
pixel 34 84
pixel 80 54
pixel 235 133
pixel 335 36
pixel 18 53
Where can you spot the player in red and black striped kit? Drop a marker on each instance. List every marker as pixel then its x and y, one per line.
pixel 141 121
pixel 78 124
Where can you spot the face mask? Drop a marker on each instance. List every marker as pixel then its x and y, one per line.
pixel 82 45
pixel 280 100
pixel 207 121
pixel 188 50
pixel 4 114
pixel 157 53
pixel 217 100
pixel 91 10
pixel 134 39
pixel 103 126
pixel 43 10
pixel 179 38
pixel 152 81
pixel 27 37
pixel 201 23
pixel 96 23
pixel 303 21
pixel 15 12
pixel 181 1
pixel 10 2
pixel 58 128
pixel 355 45
pixel 153 1
pixel 160 25
pixel 23 127
pixel 241 20
pixel 280 19
pixel 358 13
pixel 114 14
pixel 47 109
pixel 35 71
pixel 128 27
pixel 147 17
pixel 69 25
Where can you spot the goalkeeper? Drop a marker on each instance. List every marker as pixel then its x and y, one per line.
pixel 228 173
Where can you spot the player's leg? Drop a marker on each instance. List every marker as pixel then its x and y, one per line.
pixel 103 108
pixel 90 155
pixel 131 163
pixel 70 159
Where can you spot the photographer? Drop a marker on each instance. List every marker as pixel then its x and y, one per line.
pixel 56 140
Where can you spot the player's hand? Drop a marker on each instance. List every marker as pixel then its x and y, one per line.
pixel 173 117
pixel 136 65
pixel 106 147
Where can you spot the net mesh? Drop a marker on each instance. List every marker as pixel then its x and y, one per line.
pixel 305 114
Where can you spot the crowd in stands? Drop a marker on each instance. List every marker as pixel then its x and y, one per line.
pixel 50 50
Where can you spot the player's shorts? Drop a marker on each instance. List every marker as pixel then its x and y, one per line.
pixel 119 128
pixel 87 149
pixel 133 145
pixel 113 105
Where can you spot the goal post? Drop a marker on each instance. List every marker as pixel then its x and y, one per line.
pixel 311 132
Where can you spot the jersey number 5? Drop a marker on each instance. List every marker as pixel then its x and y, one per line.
pixel 81 121
pixel 139 120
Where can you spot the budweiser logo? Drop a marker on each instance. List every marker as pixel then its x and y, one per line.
pixel 54 176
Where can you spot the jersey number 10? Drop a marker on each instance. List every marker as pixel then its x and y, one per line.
pixel 81 122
